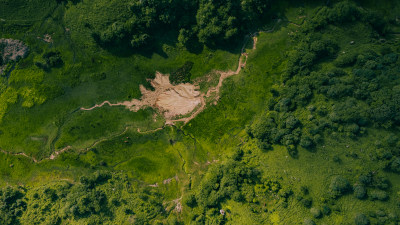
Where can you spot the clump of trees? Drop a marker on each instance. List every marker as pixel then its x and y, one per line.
pixel 51 59
pixel 361 219
pixel 233 180
pixel 12 205
pixel 205 21
pixel 344 100
pixel 339 186
pixel 102 197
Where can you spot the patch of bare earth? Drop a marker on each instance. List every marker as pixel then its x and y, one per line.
pixel 170 100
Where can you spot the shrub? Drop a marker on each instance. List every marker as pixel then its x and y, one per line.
pixel 359 191
pixel 381 182
pixel 339 186
pixel 378 195
pixel 326 210
pixel 361 219
pixel 190 200
pixel 365 179
pixel 345 60
pixel 394 166
pixel 309 222
pixel 306 202
pixel 316 212
pixel 53 59
pixel 306 142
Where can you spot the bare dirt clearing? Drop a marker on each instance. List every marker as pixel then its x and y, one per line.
pixel 171 100
pixel 178 100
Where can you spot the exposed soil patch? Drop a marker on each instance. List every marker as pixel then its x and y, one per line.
pixel 171 100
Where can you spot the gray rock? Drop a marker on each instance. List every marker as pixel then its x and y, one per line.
pixel 12 50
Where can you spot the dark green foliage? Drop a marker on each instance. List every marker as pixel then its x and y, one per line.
pixel 238 155
pixel 12 205
pixel 98 76
pixel 231 180
pixel 210 22
pixel 345 60
pixel 63 202
pixel 222 182
pixel 326 210
pixel 139 26
pixel 361 219
pixel 182 75
pixel 190 200
pixel 339 186
pixel 274 128
pixel 217 21
pixel 365 179
pixel 51 59
pixel 394 165
pixel 304 190
pixel 357 98
pixel 378 195
pixel 307 202
pixel 360 191
pixel 381 182
pixel 223 21
pixel 97 178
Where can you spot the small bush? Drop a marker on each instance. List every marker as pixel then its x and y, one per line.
pixel 309 222
pixel 361 219
pixel 326 210
pixel 306 202
pixel 378 195
pixel 345 60
pixel 190 200
pixel 339 186
pixel 359 191
pixel 316 212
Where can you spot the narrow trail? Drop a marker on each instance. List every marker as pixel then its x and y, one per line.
pixel 102 104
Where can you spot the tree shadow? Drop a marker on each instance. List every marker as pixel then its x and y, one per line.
pixel 162 38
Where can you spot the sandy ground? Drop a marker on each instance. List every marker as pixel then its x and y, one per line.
pixel 171 100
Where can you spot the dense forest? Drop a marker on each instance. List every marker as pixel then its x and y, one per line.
pixel 307 132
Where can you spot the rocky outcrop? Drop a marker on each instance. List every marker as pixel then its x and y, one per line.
pixel 12 50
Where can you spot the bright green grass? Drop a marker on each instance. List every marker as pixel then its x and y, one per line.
pixel 86 127
pixel 242 96
pixel 32 130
